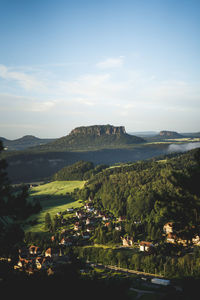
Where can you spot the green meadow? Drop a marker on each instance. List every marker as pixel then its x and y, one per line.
pixel 53 199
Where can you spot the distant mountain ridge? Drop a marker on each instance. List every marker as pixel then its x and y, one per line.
pixel 94 137
pixel 24 142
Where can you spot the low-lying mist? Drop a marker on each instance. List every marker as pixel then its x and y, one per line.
pixel 183 147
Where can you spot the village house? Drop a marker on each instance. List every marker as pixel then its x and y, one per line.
pixel 34 250
pixel 127 242
pixel 65 242
pixel 77 226
pixel 171 238
pixel 118 227
pixel 99 214
pixel 174 239
pixel 80 214
pixel 89 207
pixel 196 240
pixel 107 224
pixel 27 265
pixel 23 262
pixel 168 228
pixel 43 262
pixel 70 209
pixel 183 241
pixel 88 221
pixel 30 263
pixel 146 246
pixel 48 252
pixel 105 217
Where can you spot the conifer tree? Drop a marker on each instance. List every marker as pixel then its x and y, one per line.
pixel 48 222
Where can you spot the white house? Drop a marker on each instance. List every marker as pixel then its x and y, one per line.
pixel 146 246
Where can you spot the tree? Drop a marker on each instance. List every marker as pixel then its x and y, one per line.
pixel 56 223
pixel 4 185
pixel 116 236
pixel 48 222
pixel 11 233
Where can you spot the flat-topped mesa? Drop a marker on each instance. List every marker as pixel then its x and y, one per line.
pixel 95 137
pixel 169 134
pixel 99 130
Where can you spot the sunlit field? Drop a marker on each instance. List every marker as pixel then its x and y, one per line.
pixel 53 199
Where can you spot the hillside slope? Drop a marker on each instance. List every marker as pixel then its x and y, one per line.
pixel 152 192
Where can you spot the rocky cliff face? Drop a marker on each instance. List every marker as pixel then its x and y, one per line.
pixel 99 130
pixel 169 134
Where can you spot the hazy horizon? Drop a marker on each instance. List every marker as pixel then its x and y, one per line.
pixel 65 64
pixel 129 132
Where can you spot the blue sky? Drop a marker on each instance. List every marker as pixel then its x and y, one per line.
pixel 65 64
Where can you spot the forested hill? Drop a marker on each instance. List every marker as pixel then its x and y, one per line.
pixel 152 192
pixel 81 170
pixel 24 142
pixel 94 137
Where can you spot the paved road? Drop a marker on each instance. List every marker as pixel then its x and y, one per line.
pixel 129 271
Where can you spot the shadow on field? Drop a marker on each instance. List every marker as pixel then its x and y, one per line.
pixel 52 204
pixel 50 200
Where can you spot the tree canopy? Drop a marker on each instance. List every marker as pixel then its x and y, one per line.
pixel 153 192
pixel 81 170
pixel 14 207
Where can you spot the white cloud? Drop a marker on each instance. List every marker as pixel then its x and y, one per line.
pixel 87 85
pixel 26 81
pixel 172 93
pixel 41 106
pixel 126 96
pixel 111 63
pixel 25 104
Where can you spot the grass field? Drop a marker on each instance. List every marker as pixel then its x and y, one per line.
pixel 53 199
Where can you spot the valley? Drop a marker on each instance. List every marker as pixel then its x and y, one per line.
pixel 129 213
pixel 99 144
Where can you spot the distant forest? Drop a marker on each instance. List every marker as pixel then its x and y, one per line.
pixel 80 170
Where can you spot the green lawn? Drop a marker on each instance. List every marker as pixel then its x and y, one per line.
pixel 56 188
pixel 53 199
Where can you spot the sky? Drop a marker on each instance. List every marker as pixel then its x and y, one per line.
pixel 70 63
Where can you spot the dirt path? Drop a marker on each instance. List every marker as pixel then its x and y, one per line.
pixel 133 271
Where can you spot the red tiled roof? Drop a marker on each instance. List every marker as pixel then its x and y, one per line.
pixel 148 244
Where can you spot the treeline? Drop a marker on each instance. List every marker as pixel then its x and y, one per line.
pixel 161 262
pixel 14 208
pixel 80 170
pixel 152 192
